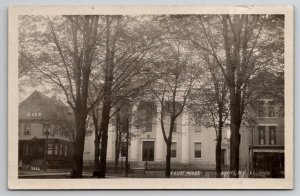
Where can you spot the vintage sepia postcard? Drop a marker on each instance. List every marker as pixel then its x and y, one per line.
pixel 150 97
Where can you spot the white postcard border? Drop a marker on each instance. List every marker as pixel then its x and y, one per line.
pixel 144 183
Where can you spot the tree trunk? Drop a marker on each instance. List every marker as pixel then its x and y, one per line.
pixel 79 143
pixel 235 122
pixel 127 148
pixel 117 150
pixel 234 152
pixel 219 152
pixel 117 146
pixel 104 131
pixel 235 80
pixel 168 160
pixel 98 150
pixel 235 135
pixel 219 138
pixel 96 141
pixel 107 92
pixel 96 155
pixel 168 141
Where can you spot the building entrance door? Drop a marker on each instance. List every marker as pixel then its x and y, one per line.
pixel 148 151
pixel 223 152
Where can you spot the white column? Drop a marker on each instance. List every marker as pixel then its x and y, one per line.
pixel 133 148
pixel 159 142
pixel 185 138
pixel 111 144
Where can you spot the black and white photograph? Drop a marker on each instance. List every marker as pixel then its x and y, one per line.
pixel 151 97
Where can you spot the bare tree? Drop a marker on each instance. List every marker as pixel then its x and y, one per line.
pixel 209 105
pixel 236 44
pixel 95 113
pixel 172 90
pixel 64 55
pixel 126 69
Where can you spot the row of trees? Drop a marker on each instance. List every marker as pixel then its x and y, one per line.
pixel 210 65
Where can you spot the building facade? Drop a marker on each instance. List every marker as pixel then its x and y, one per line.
pixel 262 147
pixel 45 125
pixel 193 145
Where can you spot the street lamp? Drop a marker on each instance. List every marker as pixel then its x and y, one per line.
pixel 46 131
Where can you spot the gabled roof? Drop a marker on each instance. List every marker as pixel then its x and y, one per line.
pixel 51 109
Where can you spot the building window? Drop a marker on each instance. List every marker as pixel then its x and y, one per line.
pixel 39 113
pixel 46 129
pixel 148 151
pixel 197 150
pixel 145 116
pixel 223 153
pixel 66 150
pixel 123 149
pixel 272 134
pixel 26 150
pixel 173 149
pixel 175 126
pixel 260 109
pixel 50 147
pixel 261 135
pixel 271 109
pixel 27 128
pixel 28 114
pixel 56 150
pixel 61 150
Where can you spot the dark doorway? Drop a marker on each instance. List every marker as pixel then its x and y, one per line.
pixel 223 152
pixel 148 151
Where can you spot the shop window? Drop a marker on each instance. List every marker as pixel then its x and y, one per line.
pixel 26 148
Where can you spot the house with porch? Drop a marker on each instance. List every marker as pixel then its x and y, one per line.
pixel 45 129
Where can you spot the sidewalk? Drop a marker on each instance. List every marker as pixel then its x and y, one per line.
pixel 50 173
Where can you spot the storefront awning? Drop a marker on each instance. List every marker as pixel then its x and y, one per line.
pixel 268 149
